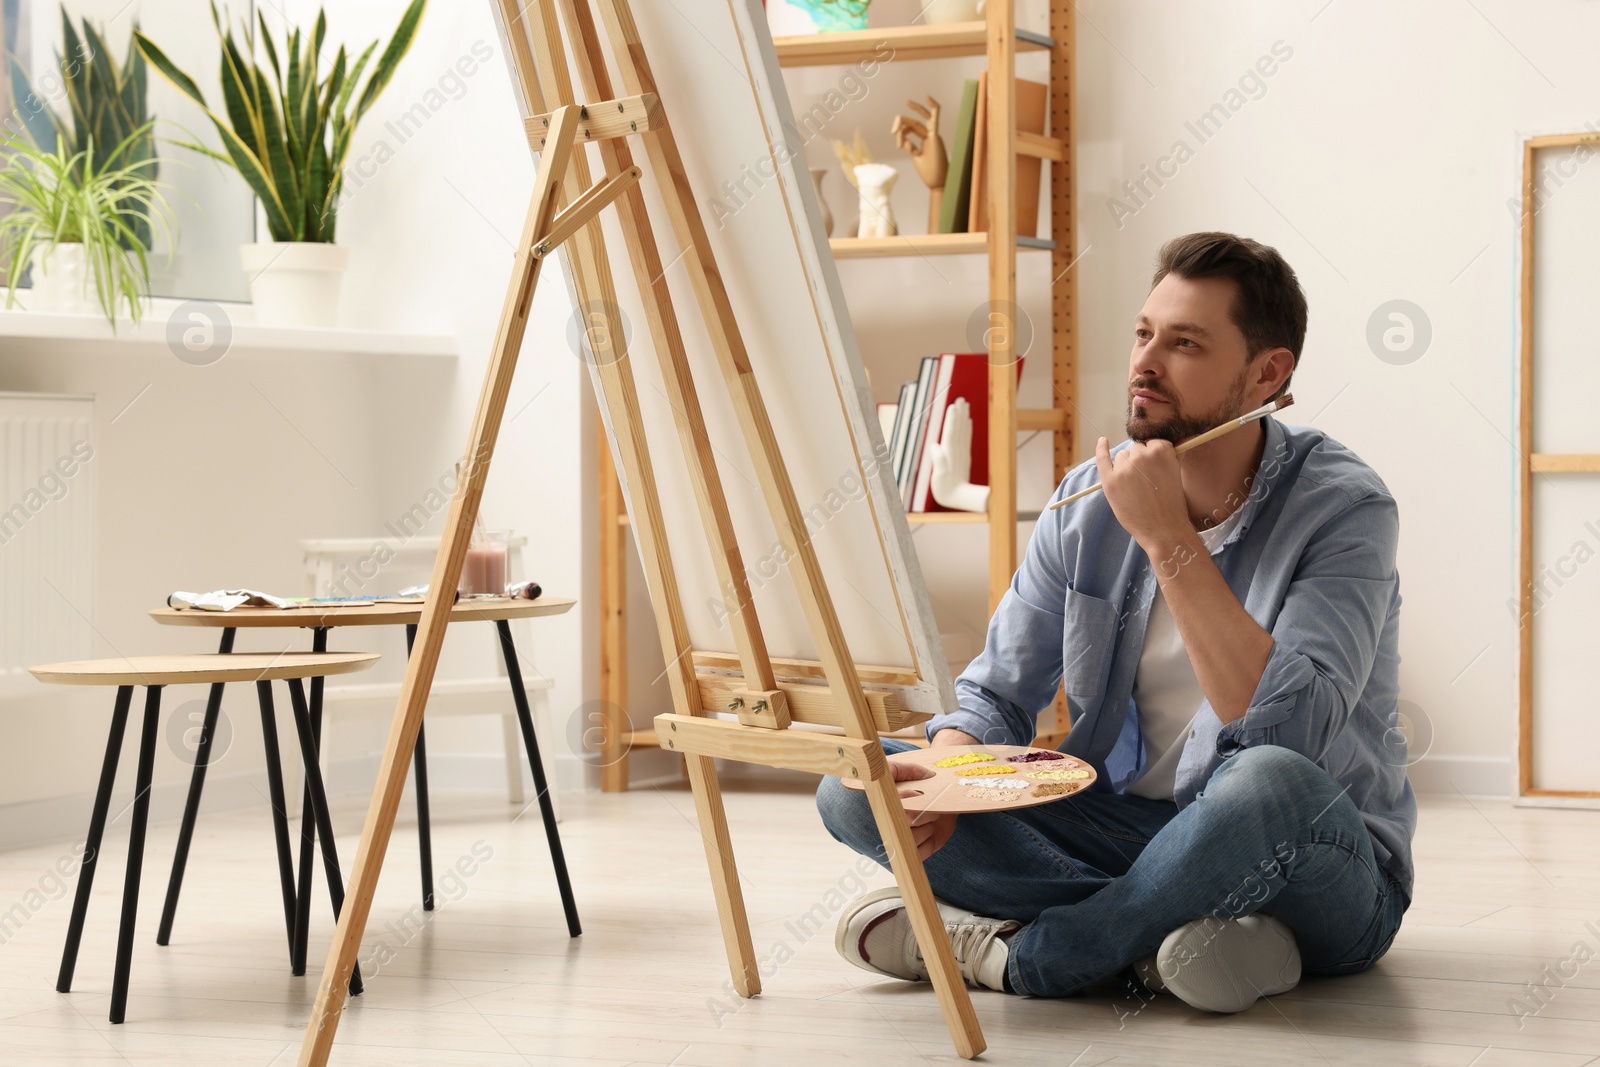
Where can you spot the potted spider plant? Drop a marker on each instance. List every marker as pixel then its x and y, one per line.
pixel 287 131
pixel 81 220
pixel 105 102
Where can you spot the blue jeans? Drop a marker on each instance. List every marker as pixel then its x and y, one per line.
pixel 1099 879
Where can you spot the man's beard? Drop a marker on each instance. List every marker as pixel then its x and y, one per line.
pixel 1180 425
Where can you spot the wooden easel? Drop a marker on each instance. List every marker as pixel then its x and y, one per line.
pixel 534 38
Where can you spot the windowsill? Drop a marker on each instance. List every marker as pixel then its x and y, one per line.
pixel 152 332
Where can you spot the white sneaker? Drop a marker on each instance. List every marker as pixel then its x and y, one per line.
pixel 875 935
pixel 1225 964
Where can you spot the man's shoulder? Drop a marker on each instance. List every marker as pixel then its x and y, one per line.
pixel 1321 464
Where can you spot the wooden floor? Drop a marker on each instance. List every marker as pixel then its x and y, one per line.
pixel 491 977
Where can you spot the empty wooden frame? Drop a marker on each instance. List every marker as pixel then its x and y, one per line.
pixel 1561 208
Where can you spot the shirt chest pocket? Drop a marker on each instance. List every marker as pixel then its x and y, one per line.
pixel 1089 637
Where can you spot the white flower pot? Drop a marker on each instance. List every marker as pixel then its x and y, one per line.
pixel 945 11
pixel 295 283
pixel 62 282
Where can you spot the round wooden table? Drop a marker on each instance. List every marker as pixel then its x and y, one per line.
pixel 319 618
pixel 154 673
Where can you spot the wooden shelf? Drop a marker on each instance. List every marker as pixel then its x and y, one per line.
pixel 952 518
pixel 925 244
pixel 907 42
pixel 998 41
pixel 945 518
pixel 933 517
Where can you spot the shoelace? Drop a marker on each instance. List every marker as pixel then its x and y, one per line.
pixel 969 940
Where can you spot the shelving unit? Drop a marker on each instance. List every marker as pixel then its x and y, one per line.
pixel 1000 40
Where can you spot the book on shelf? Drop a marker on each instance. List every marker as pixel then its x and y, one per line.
pixel 960 376
pixel 954 207
pixel 977 210
pixel 886 417
pixel 902 421
pixel 1033 112
pixel 916 429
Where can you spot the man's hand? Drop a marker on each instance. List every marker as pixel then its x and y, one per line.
pixel 928 831
pixel 1145 490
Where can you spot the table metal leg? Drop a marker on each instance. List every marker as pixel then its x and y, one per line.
pixel 308 831
pixel 130 885
pixel 319 807
pixel 191 807
pixel 541 788
pixel 419 776
pixel 280 812
pixel 91 850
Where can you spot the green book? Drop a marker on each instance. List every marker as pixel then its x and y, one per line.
pixel 958 179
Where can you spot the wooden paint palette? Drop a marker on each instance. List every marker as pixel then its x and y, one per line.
pixel 948 791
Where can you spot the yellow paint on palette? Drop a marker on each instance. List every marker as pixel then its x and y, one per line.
pixel 970 772
pixel 963 760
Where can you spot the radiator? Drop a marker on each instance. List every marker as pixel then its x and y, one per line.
pixel 47 533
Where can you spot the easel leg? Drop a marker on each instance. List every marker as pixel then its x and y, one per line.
pixel 713 823
pixel 473 473
pixel 954 1003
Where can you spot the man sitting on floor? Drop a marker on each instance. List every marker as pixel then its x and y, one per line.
pixel 1225 627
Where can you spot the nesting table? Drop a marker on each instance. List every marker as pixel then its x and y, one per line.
pixel 319 619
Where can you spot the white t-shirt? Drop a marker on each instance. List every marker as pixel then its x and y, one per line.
pixel 1165 690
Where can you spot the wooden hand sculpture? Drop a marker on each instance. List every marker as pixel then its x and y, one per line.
pixel 927 152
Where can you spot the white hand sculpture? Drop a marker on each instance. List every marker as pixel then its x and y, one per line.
pixel 952 463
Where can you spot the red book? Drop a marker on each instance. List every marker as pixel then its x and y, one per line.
pixel 960 376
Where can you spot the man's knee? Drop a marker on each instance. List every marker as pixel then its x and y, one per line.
pixel 1277 782
pixel 1272 767
pixel 847 815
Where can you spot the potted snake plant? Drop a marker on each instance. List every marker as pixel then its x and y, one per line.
pixel 287 130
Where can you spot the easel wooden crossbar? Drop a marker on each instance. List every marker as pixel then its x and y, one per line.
pixel 538 37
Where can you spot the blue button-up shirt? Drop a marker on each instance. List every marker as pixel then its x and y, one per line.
pixel 1312 561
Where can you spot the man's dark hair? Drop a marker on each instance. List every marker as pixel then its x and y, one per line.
pixel 1269 306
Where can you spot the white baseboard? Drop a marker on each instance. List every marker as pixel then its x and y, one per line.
pixel 1473 776
pixel 66 818
pixel 1575 803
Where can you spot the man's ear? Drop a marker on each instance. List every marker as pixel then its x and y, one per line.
pixel 1274 366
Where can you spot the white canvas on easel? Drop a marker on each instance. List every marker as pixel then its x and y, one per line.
pixel 759 204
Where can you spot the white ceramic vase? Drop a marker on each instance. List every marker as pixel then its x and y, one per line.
pixel 62 282
pixel 942 11
pixel 817 174
pixel 875 180
pixel 295 283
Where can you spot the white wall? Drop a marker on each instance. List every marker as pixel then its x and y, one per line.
pixel 212 476
pixel 1379 157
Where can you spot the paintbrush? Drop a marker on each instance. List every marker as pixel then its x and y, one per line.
pixel 1195 442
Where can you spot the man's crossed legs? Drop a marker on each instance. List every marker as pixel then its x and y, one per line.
pixel 1102 881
